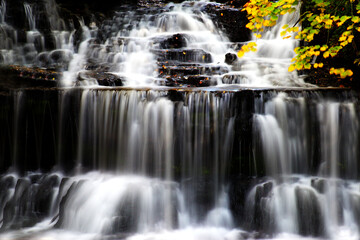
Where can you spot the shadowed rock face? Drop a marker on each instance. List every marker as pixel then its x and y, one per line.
pixel 231 19
pixel 14 77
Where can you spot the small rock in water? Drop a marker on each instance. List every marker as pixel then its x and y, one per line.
pixel 189 81
pixel 176 41
pixel 103 79
pixel 230 58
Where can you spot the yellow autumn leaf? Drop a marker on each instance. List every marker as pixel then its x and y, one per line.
pixel 349 72
pixel 351 37
pixel 240 53
pixel 323 48
pixel 342 38
pixel 291 68
pixel 266 23
pixel 355 19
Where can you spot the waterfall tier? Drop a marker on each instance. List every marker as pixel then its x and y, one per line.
pixel 251 163
pixel 144 124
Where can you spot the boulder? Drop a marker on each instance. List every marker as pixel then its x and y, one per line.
pixel 230 19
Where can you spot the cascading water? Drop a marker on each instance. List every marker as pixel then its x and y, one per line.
pixel 268 66
pixel 157 176
pixel 295 203
pixel 35 50
pixel 215 163
pixel 142 49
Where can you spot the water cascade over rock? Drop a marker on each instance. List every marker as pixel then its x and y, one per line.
pixel 146 125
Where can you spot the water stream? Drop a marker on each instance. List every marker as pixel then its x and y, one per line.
pixel 239 159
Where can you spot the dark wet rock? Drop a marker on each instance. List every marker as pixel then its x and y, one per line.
pixel 6 184
pixel 7 181
pixel 238 191
pixel 18 212
pixel 189 81
pixel 175 96
pixel 43 59
pixel 35 178
pixel 310 216
pixel 258 212
pixel 19 77
pixel 60 58
pixel 175 41
pixel 178 70
pixel 231 20
pixel 150 3
pixel 30 202
pixel 234 79
pixel 183 55
pixel 44 196
pixel 319 184
pixel 102 78
pixel 230 58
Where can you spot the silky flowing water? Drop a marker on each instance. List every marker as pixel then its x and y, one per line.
pixel 251 157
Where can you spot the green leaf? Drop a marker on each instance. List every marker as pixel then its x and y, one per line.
pixel 274 18
pixel 344 18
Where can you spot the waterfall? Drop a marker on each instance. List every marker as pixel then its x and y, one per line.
pixel 30 17
pixel 268 66
pixel 143 51
pixel 2 12
pixel 285 147
pixel 34 51
pixel 156 131
pixel 179 44
pixel 165 162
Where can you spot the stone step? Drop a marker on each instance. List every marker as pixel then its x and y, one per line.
pixel 190 69
pixel 178 40
pixel 102 78
pixel 25 77
pixel 183 55
pixel 186 81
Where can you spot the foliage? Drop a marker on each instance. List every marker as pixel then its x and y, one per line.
pixel 336 17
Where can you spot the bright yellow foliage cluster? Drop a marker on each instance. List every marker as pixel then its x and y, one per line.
pixel 264 13
pixel 251 46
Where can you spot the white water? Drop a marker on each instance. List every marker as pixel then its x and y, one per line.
pixel 134 43
pixel 268 66
pixel 161 165
pixel 152 166
pixel 2 12
pixel 285 147
pixel 33 52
